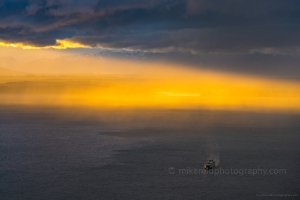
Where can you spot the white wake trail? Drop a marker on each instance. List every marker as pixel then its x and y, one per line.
pixel 211 149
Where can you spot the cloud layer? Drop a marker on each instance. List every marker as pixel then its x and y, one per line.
pixel 200 27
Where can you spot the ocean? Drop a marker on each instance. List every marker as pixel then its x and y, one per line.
pixel 89 153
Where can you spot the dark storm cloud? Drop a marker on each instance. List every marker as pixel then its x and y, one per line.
pixel 201 27
pixel 187 25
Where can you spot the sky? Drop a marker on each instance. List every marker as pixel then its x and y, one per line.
pixel 230 53
pixel 244 36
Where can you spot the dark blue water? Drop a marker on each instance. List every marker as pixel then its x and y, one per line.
pixel 81 153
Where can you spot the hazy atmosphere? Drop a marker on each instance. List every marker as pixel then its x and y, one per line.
pixel 156 99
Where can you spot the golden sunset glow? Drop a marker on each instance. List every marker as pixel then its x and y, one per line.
pixel 110 83
pixel 17 44
pixel 60 44
pixel 64 44
pixel 202 90
pixel 193 92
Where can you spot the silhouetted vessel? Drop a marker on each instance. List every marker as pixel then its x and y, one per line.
pixel 209 164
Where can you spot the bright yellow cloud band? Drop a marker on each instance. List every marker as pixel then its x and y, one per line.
pixel 219 92
pixel 60 44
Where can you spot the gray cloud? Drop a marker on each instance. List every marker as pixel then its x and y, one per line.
pixel 231 28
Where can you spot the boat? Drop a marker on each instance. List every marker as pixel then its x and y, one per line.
pixel 209 164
